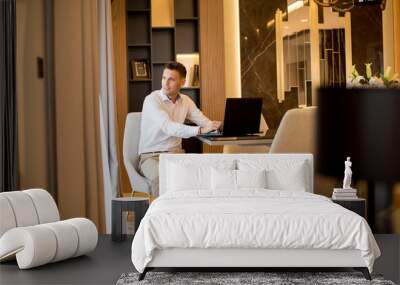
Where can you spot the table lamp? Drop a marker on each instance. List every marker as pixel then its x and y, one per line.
pixel 364 124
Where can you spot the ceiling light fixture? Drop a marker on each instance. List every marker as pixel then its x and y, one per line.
pixel 291 7
pixel 347 5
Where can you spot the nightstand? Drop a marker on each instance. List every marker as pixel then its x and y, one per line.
pixel 358 205
pixel 138 205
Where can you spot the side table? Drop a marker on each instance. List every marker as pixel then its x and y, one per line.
pixel 139 205
pixel 357 205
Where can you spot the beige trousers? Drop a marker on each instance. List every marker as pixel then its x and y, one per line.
pixel 148 167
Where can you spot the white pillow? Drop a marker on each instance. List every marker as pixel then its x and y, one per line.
pixel 251 178
pixel 188 174
pixel 281 174
pixel 183 178
pixel 237 179
pixel 291 178
pixel 223 179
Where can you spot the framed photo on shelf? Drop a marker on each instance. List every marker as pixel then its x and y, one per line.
pixel 140 69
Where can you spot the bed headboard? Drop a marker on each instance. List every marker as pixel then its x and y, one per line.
pixel 196 160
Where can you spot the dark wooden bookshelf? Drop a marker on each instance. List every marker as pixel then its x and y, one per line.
pixel 139 45
pixel 138 10
pixel 187 19
pixel 160 45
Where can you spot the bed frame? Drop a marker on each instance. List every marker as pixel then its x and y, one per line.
pixel 242 259
pixel 246 259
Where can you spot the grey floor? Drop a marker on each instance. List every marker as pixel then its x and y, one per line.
pixel 111 259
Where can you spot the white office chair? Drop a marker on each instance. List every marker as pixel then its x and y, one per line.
pixel 296 132
pixel 130 153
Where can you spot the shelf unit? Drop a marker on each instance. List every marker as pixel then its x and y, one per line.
pixel 160 45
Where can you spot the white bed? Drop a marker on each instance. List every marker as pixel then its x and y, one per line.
pixel 201 219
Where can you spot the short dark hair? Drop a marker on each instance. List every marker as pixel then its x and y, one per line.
pixel 178 67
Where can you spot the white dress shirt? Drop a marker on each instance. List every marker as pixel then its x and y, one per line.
pixel 162 127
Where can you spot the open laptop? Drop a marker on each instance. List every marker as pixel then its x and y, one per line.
pixel 241 120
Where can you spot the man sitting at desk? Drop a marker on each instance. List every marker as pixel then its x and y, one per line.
pixel 162 124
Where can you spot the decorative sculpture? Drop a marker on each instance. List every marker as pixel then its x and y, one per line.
pixel 347 174
pixel 347 192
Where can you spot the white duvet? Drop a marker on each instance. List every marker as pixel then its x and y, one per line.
pixel 253 218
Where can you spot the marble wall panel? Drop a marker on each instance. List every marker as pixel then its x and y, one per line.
pixel 367 38
pixel 258 55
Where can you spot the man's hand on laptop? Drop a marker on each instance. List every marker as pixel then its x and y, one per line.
pixel 215 125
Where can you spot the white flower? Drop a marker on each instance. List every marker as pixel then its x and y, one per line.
pixel 349 82
pixel 395 83
pixel 358 81
pixel 376 82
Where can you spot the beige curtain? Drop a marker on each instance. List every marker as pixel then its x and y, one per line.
pixel 108 118
pixel 79 165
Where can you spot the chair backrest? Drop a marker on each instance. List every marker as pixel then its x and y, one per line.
pixel 26 208
pixel 296 132
pixel 130 153
pixel 131 139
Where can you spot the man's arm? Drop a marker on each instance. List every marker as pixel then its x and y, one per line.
pixel 162 120
pixel 196 116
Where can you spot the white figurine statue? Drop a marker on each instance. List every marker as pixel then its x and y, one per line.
pixel 347 174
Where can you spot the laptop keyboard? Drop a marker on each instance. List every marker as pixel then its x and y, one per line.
pixel 253 137
pixel 220 137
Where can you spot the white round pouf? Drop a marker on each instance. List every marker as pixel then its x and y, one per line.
pixel 33 246
pixel 87 234
pixel 31 233
pixel 67 240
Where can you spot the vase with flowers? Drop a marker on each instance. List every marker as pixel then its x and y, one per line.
pixel 376 80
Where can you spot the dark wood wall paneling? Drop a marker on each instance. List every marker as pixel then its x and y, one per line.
pixel 212 62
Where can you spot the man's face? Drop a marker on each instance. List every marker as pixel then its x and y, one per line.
pixel 171 82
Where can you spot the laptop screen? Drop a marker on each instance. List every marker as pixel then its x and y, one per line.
pixel 242 116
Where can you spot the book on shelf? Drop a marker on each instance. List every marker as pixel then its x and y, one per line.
pixel 345 194
pixel 196 76
pixel 340 193
pixel 342 190
pixel 189 75
pixel 341 197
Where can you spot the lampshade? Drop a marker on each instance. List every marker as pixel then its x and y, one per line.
pixel 363 124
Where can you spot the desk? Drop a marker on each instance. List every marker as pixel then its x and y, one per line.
pixel 241 142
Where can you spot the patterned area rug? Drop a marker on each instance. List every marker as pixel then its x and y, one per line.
pixel 230 278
